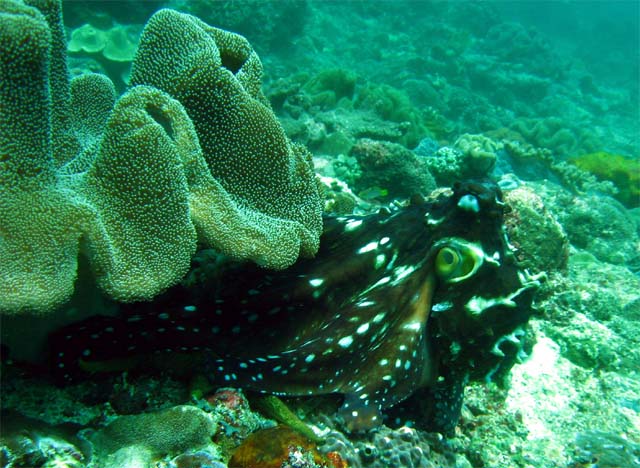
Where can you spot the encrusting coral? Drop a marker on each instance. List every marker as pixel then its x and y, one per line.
pixel 137 184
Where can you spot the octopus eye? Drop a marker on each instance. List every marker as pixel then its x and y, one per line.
pixel 446 261
pixel 458 261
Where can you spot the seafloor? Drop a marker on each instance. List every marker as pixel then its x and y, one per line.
pixel 392 99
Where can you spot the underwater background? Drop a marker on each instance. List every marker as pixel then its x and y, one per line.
pixel 447 191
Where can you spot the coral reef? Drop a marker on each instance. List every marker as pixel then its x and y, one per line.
pixel 514 44
pixel 272 25
pixel 553 133
pixel 540 241
pixel 267 182
pixel 329 86
pixel 235 418
pixel 198 459
pixel 609 232
pixel 480 153
pixel 595 317
pixel 392 104
pixel 113 49
pixel 385 447
pixel 532 163
pixel 330 110
pixel 27 396
pixel 90 39
pixel 30 449
pixel 383 164
pixel 139 190
pixel 528 161
pixel 471 156
pixel 143 438
pixel 580 181
pixel 622 171
pixel 541 95
pixel 343 168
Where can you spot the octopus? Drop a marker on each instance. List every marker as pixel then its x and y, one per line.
pixel 427 296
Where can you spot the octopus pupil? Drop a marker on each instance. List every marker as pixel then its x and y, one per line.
pixel 449 257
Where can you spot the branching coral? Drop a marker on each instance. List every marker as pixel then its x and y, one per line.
pixel 129 184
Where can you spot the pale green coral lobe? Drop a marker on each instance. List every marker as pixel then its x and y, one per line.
pixel 126 181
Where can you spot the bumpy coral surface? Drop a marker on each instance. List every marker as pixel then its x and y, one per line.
pixel 540 241
pixel 385 163
pixel 471 156
pixel 130 186
pixel 266 182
